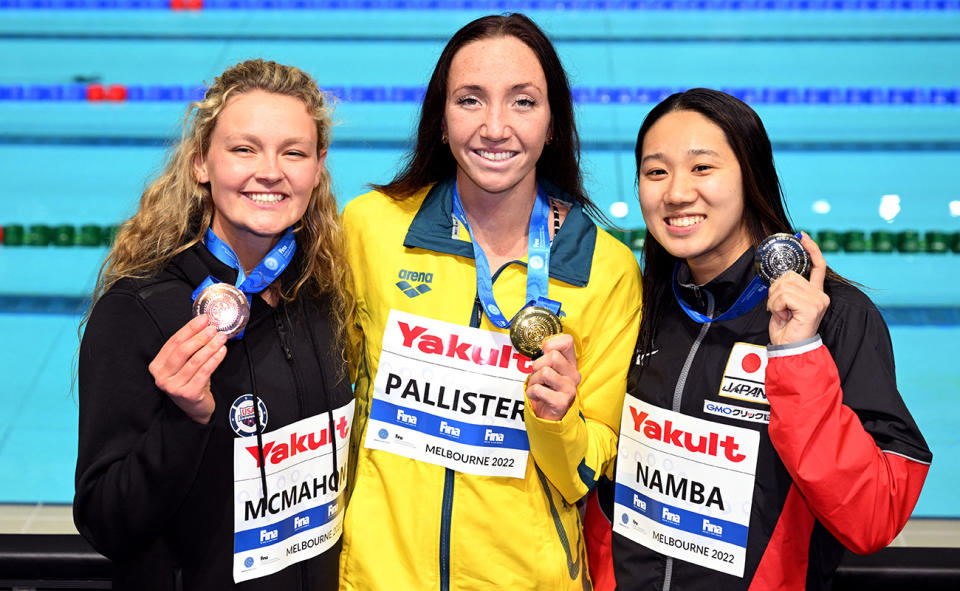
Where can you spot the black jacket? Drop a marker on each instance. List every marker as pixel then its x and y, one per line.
pixel 795 541
pixel 154 489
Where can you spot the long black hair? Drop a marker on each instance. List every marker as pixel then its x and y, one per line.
pixel 764 209
pixel 431 160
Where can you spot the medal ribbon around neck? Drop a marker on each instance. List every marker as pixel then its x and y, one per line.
pixel 538 261
pixel 265 273
pixel 755 291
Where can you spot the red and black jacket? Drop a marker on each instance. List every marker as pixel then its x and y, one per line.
pixel 841 462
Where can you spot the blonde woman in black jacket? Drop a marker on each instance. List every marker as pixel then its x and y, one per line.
pixel 213 459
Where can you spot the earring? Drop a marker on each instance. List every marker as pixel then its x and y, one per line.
pixel 443 137
pixel 549 139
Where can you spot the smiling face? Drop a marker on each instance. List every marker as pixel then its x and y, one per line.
pixel 262 165
pixel 691 193
pixel 497 117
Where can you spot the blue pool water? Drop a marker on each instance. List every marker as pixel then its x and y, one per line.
pixel 76 162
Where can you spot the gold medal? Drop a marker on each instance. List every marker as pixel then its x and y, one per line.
pixel 531 326
pixel 225 306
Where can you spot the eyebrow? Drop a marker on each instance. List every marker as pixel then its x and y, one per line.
pixel 246 137
pixel 691 152
pixel 514 88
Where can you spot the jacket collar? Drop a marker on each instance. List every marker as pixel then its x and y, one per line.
pixel 725 287
pixel 571 253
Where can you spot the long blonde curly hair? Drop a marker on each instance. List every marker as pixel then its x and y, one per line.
pixel 176 210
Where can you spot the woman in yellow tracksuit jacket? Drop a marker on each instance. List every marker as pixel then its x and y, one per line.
pixel 472 456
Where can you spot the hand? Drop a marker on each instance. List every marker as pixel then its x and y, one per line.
pixel 184 365
pixel 552 387
pixel 797 305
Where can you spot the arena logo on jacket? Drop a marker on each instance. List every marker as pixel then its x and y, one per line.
pixel 414 283
pixel 743 377
pixel 301 516
pixel 684 485
pixel 450 395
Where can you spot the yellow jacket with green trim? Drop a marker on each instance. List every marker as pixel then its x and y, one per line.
pixel 415 525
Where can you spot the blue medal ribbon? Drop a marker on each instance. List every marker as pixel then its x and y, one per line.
pixel 265 273
pixel 755 292
pixel 538 261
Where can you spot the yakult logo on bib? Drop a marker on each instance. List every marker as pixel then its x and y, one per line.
pixel 276 451
pixel 744 376
pixel 453 346
pixel 709 443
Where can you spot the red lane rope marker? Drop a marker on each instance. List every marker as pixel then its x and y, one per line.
pixel 116 92
pixel 95 93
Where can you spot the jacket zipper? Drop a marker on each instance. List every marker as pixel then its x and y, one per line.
pixel 446 507
pixel 678 398
pixel 298 382
pixel 288 353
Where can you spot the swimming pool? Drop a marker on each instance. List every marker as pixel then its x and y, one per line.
pixel 860 103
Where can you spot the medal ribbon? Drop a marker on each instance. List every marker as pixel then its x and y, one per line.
pixel 755 291
pixel 265 273
pixel 538 261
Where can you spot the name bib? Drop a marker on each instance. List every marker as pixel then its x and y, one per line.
pixel 450 395
pixel 302 515
pixel 685 486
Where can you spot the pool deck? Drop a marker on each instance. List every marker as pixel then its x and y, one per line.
pixel 58 519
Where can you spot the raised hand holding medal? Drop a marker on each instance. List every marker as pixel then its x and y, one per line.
pixel 796 304
pixel 184 365
pixel 552 387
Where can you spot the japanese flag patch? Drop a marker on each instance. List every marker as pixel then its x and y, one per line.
pixel 744 374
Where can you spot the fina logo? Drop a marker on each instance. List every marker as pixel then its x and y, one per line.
pixel 624 519
pixel 271 263
pixel 413 291
pixel 382 433
pixel 712 528
pixel 536 262
pixel 248 562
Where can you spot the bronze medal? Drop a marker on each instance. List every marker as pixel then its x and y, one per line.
pixel 225 306
pixel 531 326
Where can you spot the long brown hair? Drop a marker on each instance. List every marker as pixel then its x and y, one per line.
pixel 176 210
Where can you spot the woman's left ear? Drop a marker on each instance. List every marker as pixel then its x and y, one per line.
pixel 200 170
pixel 320 163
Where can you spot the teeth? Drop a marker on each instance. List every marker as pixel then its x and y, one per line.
pixel 265 197
pixel 685 221
pixel 496 156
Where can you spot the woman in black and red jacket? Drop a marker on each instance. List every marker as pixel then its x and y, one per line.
pixel 762 435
